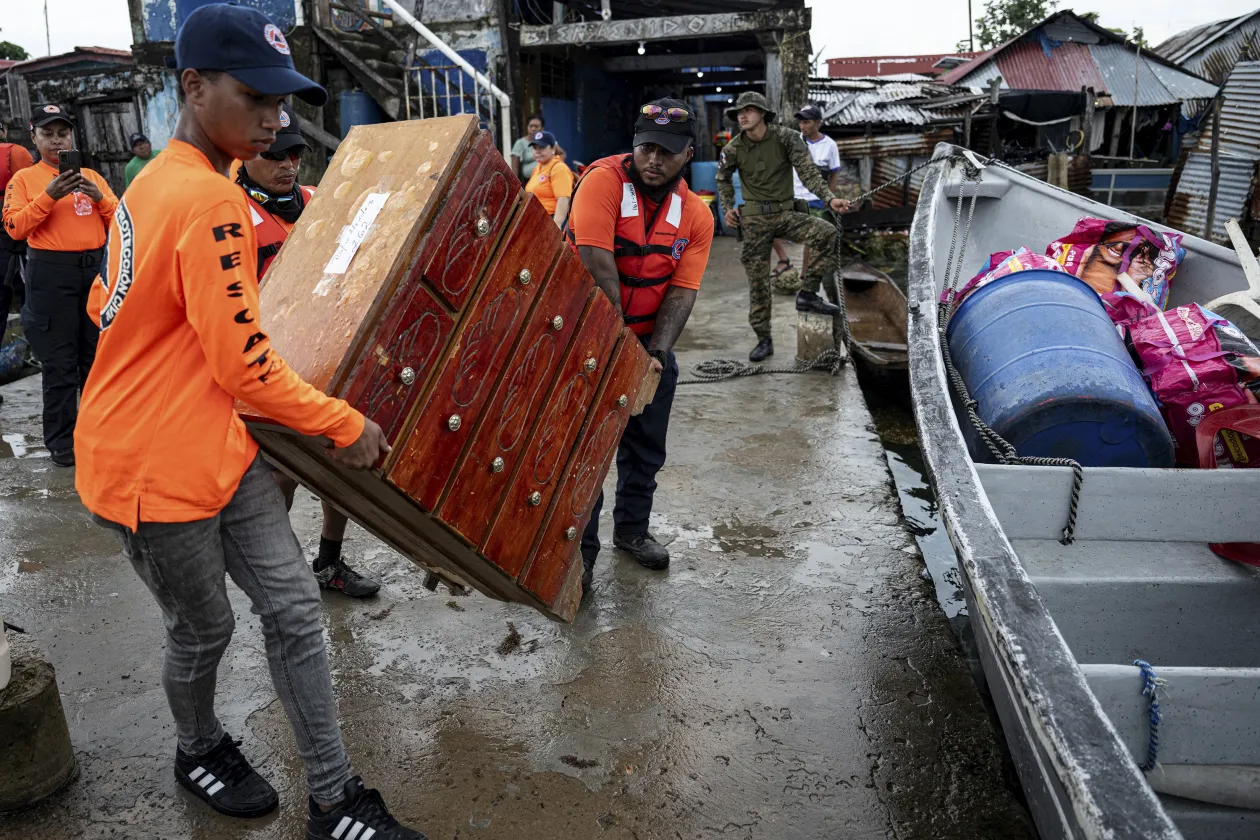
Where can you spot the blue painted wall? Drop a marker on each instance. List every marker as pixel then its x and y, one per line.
pixel 162 18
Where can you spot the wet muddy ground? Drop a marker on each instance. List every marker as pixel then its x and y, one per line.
pixel 790 676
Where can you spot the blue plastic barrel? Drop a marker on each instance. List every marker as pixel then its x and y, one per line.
pixel 358 108
pixel 1051 375
pixel 704 176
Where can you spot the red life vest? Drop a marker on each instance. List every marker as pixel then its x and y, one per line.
pixel 271 231
pixel 644 245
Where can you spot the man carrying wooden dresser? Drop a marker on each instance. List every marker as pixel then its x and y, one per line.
pixel 275 203
pixel 644 237
pixel 165 461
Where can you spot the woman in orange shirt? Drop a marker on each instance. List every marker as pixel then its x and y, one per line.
pixel 63 217
pixel 551 182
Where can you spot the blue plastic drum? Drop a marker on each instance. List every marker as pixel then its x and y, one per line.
pixel 1052 376
pixel 358 108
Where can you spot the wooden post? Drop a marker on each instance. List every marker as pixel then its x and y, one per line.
pixel 1137 67
pixel 966 138
pixel 1087 127
pixel 1210 222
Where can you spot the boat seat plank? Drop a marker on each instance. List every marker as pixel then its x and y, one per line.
pixel 1208 713
pixel 1174 603
pixel 1201 821
pixel 1126 504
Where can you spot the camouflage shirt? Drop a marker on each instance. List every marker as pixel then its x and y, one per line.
pixel 765 168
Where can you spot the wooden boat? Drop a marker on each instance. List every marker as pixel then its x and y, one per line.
pixel 1059 626
pixel 877 318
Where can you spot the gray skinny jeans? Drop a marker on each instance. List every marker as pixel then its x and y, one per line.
pixel 184 564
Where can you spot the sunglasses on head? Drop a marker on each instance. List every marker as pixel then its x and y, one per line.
pixel 276 157
pixel 674 114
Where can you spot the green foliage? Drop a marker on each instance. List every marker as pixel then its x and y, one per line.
pixel 12 52
pixel 1004 19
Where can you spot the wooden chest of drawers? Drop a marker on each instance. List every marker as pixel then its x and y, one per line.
pixel 422 285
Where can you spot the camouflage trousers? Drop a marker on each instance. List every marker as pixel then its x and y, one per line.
pixel 759 235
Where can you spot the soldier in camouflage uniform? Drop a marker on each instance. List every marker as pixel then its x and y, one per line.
pixel 765 154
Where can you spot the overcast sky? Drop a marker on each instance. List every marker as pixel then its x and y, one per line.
pixel 841 27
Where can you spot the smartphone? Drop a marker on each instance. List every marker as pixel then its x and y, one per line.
pixel 69 160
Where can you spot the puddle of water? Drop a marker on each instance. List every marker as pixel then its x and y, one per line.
pixel 824 565
pixel 17 446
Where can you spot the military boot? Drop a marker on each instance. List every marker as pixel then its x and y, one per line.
pixel 643 548
pixel 811 302
pixel 764 349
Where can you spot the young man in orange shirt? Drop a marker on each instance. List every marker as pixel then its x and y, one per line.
pixel 275 203
pixel 551 182
pixel 62 217
pixel 165 461
pixel 645 238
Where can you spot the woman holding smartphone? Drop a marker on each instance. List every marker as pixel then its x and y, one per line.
pixel 62 211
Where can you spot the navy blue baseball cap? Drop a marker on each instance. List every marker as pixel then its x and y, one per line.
pixel 542 138
pixel 243 43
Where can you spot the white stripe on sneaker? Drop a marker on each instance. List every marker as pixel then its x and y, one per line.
pixel 206 780
pixel 341 828
pixel 196 774
pixel 354 830
pixel 215 788
pixel 367 834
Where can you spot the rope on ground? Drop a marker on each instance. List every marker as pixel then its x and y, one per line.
pixel 1151 685
pixel 718 370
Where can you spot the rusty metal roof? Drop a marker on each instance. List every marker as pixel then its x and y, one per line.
pixel 1156 83
pixel 1212 49
pixel 1069 66
pixel 894 145
pixel 848 102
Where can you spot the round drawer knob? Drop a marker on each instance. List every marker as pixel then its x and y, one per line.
pixel 408 376
pixel 557 323
pixel 534 499
pixel 571 533
pixel 525 276
pixel 453 422
pixel 496 466
pixel 621 401
pixel 483 227
pixel 590 364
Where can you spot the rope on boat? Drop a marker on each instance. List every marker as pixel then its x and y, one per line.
pixel 1002 450
pixel 1151 684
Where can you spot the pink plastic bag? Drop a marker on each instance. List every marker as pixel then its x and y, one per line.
pixel 1000 265
pixel 1100 251
pixel 1197 363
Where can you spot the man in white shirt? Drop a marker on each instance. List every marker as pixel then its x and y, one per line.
pixel 826 156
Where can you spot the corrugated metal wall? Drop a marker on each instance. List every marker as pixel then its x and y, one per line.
pixel 1239 153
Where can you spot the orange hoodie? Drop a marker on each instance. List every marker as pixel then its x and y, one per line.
pixel 158 439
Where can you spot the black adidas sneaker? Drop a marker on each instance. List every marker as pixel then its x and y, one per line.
pixel 223 779
pixel 363 816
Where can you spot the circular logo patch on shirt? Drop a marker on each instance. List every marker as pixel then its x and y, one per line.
pixel 284 119
pixel 51 109
pixel 541 178
pixel 679 246
pixel 276 38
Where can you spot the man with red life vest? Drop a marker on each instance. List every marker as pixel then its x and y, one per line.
pixel 275 202
pixel 644 237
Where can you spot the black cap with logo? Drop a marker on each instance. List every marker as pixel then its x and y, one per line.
pixel 542 138
pixel 243 43
pixel 809 112
pixel 289 136
pixel 45 114
pixel 664 130
pixel 136 138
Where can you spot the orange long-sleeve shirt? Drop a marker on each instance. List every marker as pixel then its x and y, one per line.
pixel 158 439
pixel 73 223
